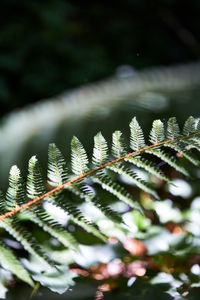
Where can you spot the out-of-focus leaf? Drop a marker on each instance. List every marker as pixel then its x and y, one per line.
pixel 57 279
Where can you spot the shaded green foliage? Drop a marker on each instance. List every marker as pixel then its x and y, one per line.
pixel 49 46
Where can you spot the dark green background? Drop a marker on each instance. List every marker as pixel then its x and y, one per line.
pixel 50 46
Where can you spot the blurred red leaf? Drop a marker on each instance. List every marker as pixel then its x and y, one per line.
pixel 136 268
pixel 174 228
pixel 135 247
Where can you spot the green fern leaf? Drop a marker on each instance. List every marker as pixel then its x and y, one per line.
pixel 134 178
pixel 92 198
pixel 118 145
pixel 157 133
pixel 137 138
pixel 189 126
pixel 147 165
pixel 79 157
pixel 3 208
pixel 10 262
pixel 180 148
pixel 16 194
pixel 168 158
pixel 57 169
pixel 198 125
pixel 86 193
pixel 114 188
pixel 100 151
pixel 76 216
pixel 35 184
pixel 192 143
pixel 25 238
pixel 40 217
pixel 173 130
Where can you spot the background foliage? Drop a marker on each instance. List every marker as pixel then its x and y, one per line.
pixel 50 46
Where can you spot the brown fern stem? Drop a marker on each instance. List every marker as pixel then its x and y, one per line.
pixel 89 173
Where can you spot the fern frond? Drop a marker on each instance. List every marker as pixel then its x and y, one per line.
pixel 100 171
pixel 100 151
pixel 13 226
pixel 16 194
pixel 117 190
pixel 198 125
pixel 25 238
pixel 79 157
pixel 10 262
pixel 77 216
pixel 181 148
pixel 3 208
pixel 92 198
pixel 192 143
pixel 57 172
pixel 147 165
pixel 34 187
pixel 57 169
pixel 86 193
pixel 35 183
pixel 157 133
pixel 40 217
pixel 137 137
pixel 118 145
pixel 169 159
pixel 173 130
pixel 189 126
pixel 134 178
